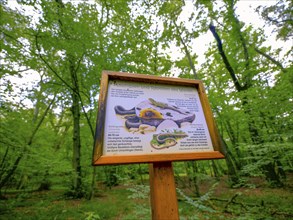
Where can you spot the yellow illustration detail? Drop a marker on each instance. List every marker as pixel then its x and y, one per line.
pixel 150 113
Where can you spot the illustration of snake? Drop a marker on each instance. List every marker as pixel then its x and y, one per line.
pixel 168 139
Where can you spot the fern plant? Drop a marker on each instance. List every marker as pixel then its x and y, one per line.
pixel 199 203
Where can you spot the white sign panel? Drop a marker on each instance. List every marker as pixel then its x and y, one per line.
pixel 143 118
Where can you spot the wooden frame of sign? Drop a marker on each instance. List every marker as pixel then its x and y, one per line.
pixel 132 105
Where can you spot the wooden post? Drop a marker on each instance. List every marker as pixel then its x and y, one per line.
pixel 163 192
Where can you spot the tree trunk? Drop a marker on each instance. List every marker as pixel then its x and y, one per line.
pixel 215 169
pixel 191 169
pixel 10 172
pixel 77 182
pixel 232 170
pixel 93 184
pixel 186 51
pixel 140 174
pixel 188 175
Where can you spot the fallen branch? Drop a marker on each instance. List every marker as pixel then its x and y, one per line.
pixel 232 201
pixel 282 213
pixel 238 203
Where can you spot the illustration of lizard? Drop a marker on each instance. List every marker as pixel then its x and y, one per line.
pixel 166 106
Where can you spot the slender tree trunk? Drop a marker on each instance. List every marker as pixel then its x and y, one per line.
pixel 77 183
pixel 194 177
pixel 232 170
pixel 186 51
pixel 10 172
pixel 188 175
pixel 140 174
pixel 234 141
pixel 93 184
pixel 215 169
pixel 75 109
pixel 3 164
pixel 192 171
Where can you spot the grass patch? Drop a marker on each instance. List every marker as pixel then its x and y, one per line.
pixel 53 205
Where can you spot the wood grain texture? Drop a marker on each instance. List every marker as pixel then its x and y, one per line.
pixel 163 192
pixel 99 136
pixel 150 79
pixel 217 144
pixel 150 158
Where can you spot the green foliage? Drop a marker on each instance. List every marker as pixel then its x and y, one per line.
pixel 111 176
pixel 132 202
pixel 279 16
pixel 67 44
pixel 269 153
pixel 92 216
pixel 140 210
pixel 199 203
pixel 52 205
pixel 139 192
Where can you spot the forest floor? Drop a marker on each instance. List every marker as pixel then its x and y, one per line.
pixel 131 201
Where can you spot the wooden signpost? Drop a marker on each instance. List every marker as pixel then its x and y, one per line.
pixel 155 120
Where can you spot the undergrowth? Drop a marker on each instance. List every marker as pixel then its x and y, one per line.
pixel 132 201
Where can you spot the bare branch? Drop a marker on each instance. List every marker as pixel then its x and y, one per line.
pixel 277 63
pixel 49 66
pixel 225 59
pixel 41 121
pixel 185 50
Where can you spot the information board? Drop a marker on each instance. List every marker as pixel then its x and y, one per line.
pixel 144 118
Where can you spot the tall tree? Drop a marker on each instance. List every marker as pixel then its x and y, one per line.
pixel 244 67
